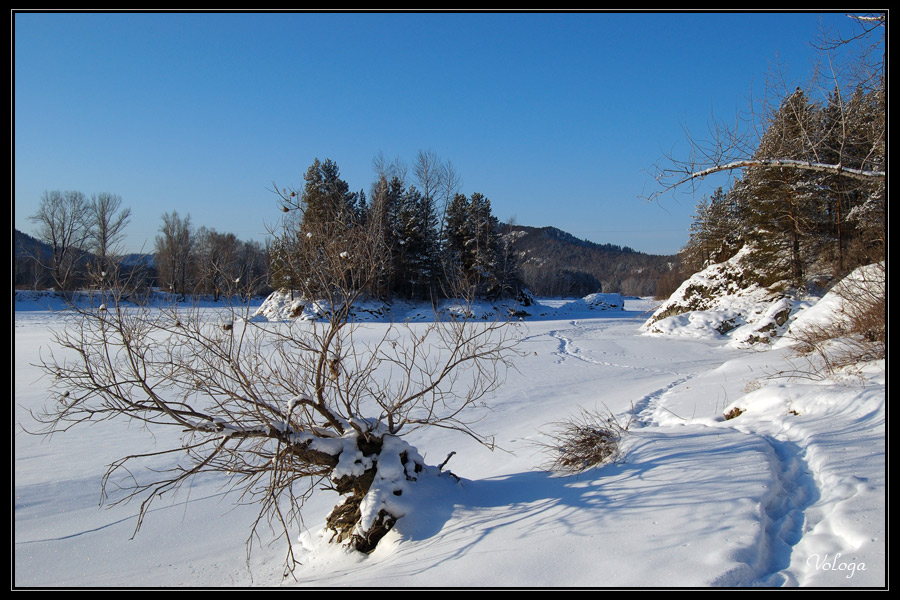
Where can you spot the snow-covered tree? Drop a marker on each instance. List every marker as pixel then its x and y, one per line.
pixel 783 202
pixel 853 134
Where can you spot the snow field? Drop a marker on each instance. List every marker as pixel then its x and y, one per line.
pixel 791 492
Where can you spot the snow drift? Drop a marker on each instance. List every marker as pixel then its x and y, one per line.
pixel 282 305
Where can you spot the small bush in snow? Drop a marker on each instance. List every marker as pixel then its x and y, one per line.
pixel 589 439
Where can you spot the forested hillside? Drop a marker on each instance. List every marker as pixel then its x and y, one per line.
pixel 555 263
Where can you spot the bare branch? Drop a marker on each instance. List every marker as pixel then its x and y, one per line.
pixel 781 163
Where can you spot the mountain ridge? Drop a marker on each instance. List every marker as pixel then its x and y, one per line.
pixel 553 262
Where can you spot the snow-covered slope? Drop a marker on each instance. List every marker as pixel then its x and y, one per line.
pixel 834 311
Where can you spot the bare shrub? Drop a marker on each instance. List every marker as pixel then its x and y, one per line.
pixel 280 410
pixel 858 331
pixel 586 440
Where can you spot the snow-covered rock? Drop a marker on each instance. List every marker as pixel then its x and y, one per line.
pixel 596 302
pixel 724 301
pixel 281 305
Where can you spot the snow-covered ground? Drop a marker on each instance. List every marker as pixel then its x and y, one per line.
pixel 791 492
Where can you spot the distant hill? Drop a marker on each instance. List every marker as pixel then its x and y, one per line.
pixel 26 246
pixel 31 257
pixel 556 263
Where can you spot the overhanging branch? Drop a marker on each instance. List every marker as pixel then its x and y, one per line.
pixel 779 163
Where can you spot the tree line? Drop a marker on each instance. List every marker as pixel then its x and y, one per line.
pixel 425 236
pixel 429 236
pixel 78 244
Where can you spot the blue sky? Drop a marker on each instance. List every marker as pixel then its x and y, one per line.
pixel 556 117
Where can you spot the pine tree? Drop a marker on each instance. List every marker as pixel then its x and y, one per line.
pixel 326 197
pixel 416 245
pixel 716 232
pixel 326 214
pixel 866 210
pixel 382 219
pixel 456 234
pixel 484 248
pixel 474 249
pixel 782 202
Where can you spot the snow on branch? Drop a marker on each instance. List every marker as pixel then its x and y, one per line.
pixel 781 163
